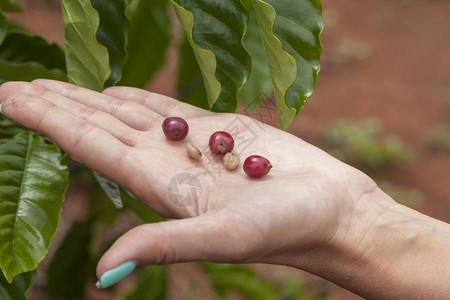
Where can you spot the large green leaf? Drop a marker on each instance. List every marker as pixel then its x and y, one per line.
pixel 290 31
pixel 101 209
pixel 259 84
pixel 28 71
pixel 20 47
pixel 149 38
pixel 32 186
pixel 151 284
pixel 113 34
pixel 87 60
pixel 9 128
pixel 191 88
pixel 215 30
pixel 17 290
pixel 25 57
pixel 3 27
pixel 110 188
pixel 71 260
pixel 14 27
pixel 10 5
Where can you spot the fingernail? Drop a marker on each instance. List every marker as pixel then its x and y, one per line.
pixel 1 106
pixel 115 275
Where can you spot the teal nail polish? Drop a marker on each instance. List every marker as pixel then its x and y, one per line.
pixel 115 275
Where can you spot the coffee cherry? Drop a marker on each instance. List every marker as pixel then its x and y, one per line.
pixel 231 161
pixel 221 142
pixel 175 128
pixel 193 151
pixel 257 166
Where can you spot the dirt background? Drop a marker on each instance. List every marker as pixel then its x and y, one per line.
pixel 388 59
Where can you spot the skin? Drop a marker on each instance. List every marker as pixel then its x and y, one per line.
pixel 311 211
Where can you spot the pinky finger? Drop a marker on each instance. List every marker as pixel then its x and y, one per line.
pixel 84 142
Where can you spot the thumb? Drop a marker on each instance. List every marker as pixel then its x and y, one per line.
pixel 204 238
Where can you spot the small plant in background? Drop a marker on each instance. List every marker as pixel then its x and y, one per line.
pixel 331 17
pixel 229 279
pixel 437 138
pixel 350 50
pixel 364 143
pixel 403 195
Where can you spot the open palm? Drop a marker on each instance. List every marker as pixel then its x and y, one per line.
pixel 229 217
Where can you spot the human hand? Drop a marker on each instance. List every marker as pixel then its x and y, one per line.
pixel 305 202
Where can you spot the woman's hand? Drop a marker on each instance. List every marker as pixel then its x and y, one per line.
pixel 234 218
pixel 309 205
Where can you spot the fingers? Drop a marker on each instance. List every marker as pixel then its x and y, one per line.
pixel 204 238
pixel 165 106
pixel 84 142
pixel 107 122
pixel 121 131
pixel 129 112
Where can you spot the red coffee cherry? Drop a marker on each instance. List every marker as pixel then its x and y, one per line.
pixel 221 142
pixel 175 128
pixel 257 166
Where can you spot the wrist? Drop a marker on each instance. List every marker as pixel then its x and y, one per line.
pixel 385 250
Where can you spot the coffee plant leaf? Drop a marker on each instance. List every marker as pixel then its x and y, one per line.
pixel 72 260
pixel 28 71
pixel 32 186
pixel 10 5
pixel 140 209
pixel 113 34
pixel 3 27
pixel 26 57
pixel 151 284
pixel 87 60
pixel 215 30
pixel 290 31
pixel 149 37
pixel 110 188
pixel 227 279
pixel 259 84
pixel 20 47
pixel 191 88
pixel 17 290
pixel 9 128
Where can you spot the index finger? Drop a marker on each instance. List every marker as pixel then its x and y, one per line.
pixel 83 141
pixel 163 105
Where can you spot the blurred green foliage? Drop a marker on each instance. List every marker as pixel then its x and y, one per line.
pixel 350 50
pixel 17 290
pixel 411 197
pixel 9 128
pixel 365 144
pixel 227 279
pixel 437 138
pixel 151 284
